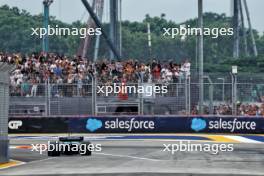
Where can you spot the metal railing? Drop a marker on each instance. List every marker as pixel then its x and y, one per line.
pixel 222 96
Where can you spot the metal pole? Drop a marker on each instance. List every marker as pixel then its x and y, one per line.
pixel 223 89
pixel 97 40
pixel 189 94
pixel 243 28
pixel 232 77
pixel 200 56
pixel 211 94
pixel 141 99
pixel 45 44
pixel 98 23
pixel 236 30
pixel 196 55
pixel 231 8
pixel 49 97
pixel 186 95
pixel 93 96
pixel 96 49
pixel 250 29
pixel 120 29
pixel 211 97
pixel 46 98
pixel 235 94
pixel 113 25
pixel 87 39
pixel 149 41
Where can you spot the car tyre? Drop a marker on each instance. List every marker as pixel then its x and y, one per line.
pixel 87 152
pixel 54 152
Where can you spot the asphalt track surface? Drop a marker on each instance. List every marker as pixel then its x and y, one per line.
pixel 140 155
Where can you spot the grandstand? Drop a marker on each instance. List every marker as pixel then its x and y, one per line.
pixel 52 86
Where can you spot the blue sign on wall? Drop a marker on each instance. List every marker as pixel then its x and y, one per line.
pixel 168 124
pixel 140 124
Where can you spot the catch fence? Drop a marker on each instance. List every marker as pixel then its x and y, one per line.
pixel 223 95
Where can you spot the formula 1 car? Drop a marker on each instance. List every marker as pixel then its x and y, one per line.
pixel 69 146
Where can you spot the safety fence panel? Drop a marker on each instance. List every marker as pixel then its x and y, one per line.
pixel 221 97
pixel 69 99
pixel 217 98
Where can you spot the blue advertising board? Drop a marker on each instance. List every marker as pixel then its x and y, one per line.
pixel 139 124
pixel 159 124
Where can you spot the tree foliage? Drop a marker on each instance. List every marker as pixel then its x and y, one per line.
pixel 15 36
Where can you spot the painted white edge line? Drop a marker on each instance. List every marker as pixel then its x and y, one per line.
pixel 243 139
pixel 127 156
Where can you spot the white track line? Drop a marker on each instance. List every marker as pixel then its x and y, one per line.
pixel 37 161
pixel 243 139
pixel 126 156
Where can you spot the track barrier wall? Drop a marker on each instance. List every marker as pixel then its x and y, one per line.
pixel 5 69
pixel 138 124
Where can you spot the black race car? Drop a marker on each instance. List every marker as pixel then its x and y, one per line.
pixel 69 146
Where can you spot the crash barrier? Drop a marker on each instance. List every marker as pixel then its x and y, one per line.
pixel 5 69
pixel 139 124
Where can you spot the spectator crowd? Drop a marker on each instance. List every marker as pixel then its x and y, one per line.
pixel 36 69
pixel 243 109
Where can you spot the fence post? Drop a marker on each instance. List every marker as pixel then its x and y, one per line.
pixel 141 104
pixel 187 95
pixel 211 94
pixel 94 94
pixel 211 97
pixel 234 94
pixel 93 103
pixel 49 97
pixel 46 97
